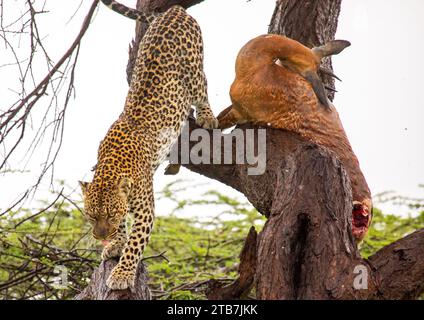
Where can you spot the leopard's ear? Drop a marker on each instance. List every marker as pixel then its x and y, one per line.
pixel 124 185
pixel 84 186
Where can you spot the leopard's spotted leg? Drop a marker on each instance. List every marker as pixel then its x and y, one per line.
pixel 204 115
pixel 114 248
pixel 123 275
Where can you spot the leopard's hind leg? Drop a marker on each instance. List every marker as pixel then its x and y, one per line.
pixel 229 117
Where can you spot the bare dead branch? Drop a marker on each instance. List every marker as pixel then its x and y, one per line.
pixel 14 119
pixel 41 87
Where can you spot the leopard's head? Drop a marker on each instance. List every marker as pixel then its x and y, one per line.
pixel 105 205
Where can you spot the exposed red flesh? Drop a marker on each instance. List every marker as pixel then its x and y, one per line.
pixel 360 221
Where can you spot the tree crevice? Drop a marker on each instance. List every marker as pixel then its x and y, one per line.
pixel 299 247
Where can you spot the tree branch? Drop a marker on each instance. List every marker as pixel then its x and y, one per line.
pixel 399 268
pixel 14 119
pixel 42 85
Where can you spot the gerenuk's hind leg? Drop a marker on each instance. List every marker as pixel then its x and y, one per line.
pixel 229 117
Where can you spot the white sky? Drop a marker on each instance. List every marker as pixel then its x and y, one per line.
pixel 379 101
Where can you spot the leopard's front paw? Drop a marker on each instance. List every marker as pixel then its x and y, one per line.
pixel 112 250
pixel 207 121
pixel 120 279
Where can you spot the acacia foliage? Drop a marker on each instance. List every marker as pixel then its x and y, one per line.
pixel 183 256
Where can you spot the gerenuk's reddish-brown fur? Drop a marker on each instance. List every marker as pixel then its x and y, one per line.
pixel 278 95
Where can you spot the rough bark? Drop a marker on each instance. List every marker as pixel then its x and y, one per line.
pixel 399 268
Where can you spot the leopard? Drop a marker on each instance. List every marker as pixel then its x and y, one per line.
pixel 168 79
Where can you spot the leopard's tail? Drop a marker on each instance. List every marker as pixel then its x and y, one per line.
pixel 131 13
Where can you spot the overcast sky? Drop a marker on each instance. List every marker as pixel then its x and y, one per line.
pixel 379 101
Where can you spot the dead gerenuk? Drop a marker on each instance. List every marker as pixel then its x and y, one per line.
pixel 277 85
